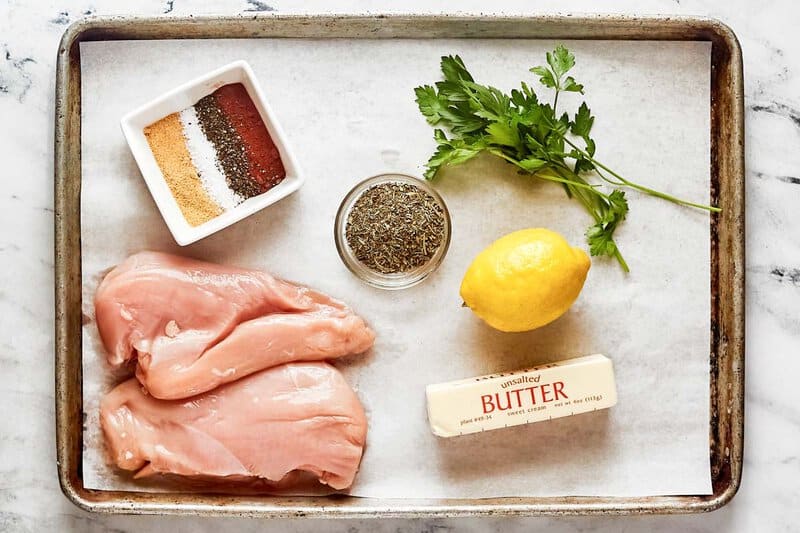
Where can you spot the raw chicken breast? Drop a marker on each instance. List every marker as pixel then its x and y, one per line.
pixel 296 416
pixel 194 325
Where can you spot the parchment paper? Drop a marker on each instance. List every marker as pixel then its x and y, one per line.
pixel 348 109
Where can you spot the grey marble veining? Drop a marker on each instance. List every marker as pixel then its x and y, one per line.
pixel 30 499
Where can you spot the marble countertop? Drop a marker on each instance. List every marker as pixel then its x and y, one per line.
pixel 30 498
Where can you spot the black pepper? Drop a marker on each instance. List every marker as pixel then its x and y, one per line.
pixel 231 151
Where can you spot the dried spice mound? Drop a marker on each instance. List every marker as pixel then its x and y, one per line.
pixel 168 145
pixel 394 227
pixel 266 167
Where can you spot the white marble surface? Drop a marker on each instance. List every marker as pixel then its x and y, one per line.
pixel 30 499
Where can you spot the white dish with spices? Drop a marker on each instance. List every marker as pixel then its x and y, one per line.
pixel 212 152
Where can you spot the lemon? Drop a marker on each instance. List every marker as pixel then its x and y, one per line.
pixel 525 280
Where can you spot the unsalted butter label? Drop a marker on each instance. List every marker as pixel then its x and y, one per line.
pixel 544 392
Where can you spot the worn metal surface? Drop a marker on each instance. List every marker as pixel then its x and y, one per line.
pixel 727 255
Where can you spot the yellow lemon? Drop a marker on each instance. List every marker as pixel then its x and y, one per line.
pixel 525 280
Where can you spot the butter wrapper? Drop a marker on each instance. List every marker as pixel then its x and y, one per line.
pixel 554 390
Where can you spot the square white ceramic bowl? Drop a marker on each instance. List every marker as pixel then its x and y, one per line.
pixel 178 99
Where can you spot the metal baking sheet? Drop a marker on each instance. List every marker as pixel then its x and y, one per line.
pixel 726 268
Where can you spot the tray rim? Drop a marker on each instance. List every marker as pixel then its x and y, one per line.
pixel 727 251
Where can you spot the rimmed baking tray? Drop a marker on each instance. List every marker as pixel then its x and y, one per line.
pixel 726 394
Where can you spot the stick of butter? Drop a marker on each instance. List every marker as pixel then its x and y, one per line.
pixel 544 392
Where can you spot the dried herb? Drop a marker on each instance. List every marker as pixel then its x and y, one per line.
pixel 394 227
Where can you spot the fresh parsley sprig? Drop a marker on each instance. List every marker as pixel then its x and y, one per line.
pixel 531 135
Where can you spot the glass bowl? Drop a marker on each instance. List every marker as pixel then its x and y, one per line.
pixel 399 280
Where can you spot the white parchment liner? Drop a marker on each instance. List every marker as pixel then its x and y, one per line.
pixel 349 112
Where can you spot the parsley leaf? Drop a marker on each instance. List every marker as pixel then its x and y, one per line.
pixel 450 152
pixel 430 103
pixel 582 126
pixel 532 164
pixel 560 60
pixel 600 239
pixel 571 85
pixel 618 204
pixel 583 122
pixel 453 69
pixel 503 134
pixel 546 77
pixel 600 236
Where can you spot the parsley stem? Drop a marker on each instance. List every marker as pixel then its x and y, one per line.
pixel 607 179
pixel 538 174
pixel 621 260
pixel 573 177
pixel 591 204
pixel 642 188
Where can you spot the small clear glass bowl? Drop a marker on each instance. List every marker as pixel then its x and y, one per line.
pixel 399 280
